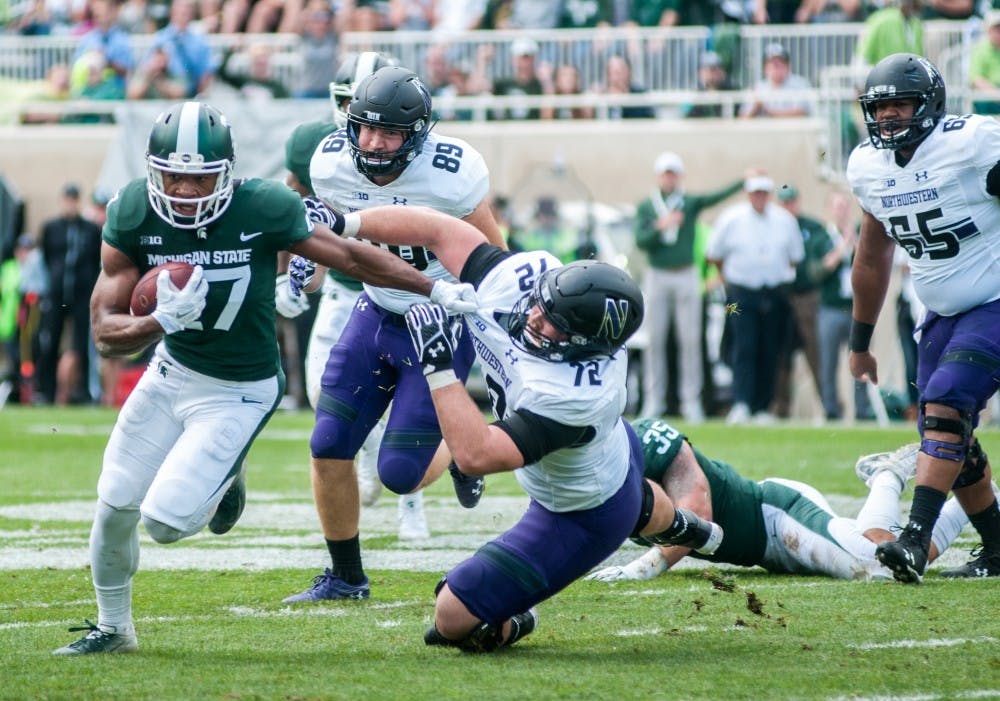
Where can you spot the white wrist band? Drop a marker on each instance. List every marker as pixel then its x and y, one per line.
pixel 352 224
pixel 442 378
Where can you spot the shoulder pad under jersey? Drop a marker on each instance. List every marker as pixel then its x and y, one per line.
pixel 129 207
pixel 272 202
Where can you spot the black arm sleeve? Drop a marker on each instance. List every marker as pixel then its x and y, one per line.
pixel 993 180
pixel 536 436
pixel 481 261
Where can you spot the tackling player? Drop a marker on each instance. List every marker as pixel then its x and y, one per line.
pixel 929 182
pixel 550 339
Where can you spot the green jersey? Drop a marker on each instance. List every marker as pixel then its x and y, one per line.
pixel 238 252
pixel 736 500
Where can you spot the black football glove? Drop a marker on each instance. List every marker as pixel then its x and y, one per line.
pixel 434 335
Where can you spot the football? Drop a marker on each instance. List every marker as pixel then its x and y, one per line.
pixel 144 295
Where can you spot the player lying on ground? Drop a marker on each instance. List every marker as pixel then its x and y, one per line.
pixel 780 525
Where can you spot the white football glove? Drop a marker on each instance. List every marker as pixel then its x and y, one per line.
pixel 650 564
pixel 285 300
pixel 455 297
pixel 177 310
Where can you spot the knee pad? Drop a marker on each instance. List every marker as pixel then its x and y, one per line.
pixel 974 467
pixel 945 450
pixel 161 532
pixel 333 437
pixel 964 380
pixel 404 457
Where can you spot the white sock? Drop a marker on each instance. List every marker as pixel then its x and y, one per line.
pixel 114 559
pixel 949 524
pixel 114 608
pixel 881 508
pixel 414 501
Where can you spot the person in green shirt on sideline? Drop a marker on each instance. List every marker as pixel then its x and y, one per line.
pixel 665 226
pixel 892 30
pixel 984 64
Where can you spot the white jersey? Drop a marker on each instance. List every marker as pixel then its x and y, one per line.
pixel 586 393
pixel 937 208
pixel 447 175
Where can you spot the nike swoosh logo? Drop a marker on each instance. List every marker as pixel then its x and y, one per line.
pixel 247 400
pixel 246 237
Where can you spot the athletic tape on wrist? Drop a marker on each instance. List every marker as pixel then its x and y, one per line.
pixel 442 378
pixel 352 224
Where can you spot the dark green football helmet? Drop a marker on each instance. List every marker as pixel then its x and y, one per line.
pixel 352 70
pixel 190 138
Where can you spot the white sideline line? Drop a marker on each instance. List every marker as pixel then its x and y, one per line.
pixel 933 642
pixel 973 694
pixel 641 632
pixel 42 604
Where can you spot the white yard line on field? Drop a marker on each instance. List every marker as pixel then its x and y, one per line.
pixel 932 642
pixel 973 694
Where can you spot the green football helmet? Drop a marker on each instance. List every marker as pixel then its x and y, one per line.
pixel 351 71
pixel 190 138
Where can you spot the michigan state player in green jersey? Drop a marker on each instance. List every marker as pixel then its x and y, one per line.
pixel 174 458
pixel 781 525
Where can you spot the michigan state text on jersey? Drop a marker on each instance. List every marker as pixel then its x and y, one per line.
pixel 235 338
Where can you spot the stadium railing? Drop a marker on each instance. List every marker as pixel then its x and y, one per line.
pixel 664 62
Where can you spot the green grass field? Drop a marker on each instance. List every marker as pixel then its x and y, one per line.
pixel 211 624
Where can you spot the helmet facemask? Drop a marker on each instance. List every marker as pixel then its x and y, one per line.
pixel 903 77
pixel 904 132
pixel 374 163
pixel 208 208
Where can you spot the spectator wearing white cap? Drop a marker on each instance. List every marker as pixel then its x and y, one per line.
pixel 756 245
pixel 524 81
pixel 984 65
pixel 665 231
pixel 780 93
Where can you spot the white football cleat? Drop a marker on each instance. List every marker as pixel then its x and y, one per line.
pixel 901 462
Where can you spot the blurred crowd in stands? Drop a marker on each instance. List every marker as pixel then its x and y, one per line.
pixel 180 58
